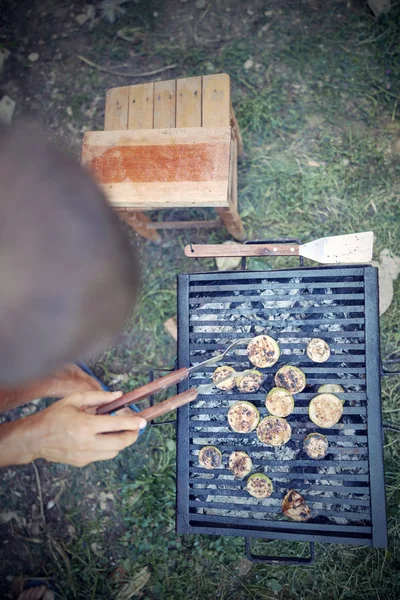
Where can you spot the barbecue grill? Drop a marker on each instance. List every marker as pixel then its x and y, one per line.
pixel 345 491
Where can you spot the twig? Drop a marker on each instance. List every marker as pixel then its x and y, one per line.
pixel 40 495
pixel 118 74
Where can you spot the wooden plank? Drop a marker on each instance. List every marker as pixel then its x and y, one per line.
pixel 153 196
pixel 216 100
pixel 161 168
pixel 188 102
pixel 116 112
pixel 140 223
pixel 238 135
pixel 165 104
pixel 141 106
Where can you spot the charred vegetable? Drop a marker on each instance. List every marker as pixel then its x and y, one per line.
pixel 222 372
pixel 318 350
pixel 291 378
pixel 240 464
pixel 243 417
pixel 263 351
pixel 210 457
pixel 250 383
pixel 274 431
pixel 316 445
pixel 259 485
pixel 325 410
pixel 295 507
pixel 330 388
pixel 279 402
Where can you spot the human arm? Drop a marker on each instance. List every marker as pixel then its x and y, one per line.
pixel 66 432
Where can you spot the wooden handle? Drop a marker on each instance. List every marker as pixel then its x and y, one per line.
pixel 162 408
pixel 212 250
pixel 146 390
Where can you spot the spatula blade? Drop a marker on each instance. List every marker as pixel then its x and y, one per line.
pixel 350 248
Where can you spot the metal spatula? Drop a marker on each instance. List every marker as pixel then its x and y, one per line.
pixel 339 249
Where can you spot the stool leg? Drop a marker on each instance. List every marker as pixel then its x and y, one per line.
pixel 232 222
pixel 238 135
pixel 139 222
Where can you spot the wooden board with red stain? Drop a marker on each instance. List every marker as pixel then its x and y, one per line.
pixel 161 168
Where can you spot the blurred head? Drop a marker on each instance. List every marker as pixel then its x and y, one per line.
pixel 68 275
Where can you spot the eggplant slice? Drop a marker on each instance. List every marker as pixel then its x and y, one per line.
pixel 240 464
pixel 263 351
pixel 222 372
pixel 279 402
pixel 330 388
pixel 250 383
pixel 274 431
pixel 318 350
pixel 210 457
pixel 259 485
pixel 316 445
pixel 243 417
pixel 295 507
pixel 325 410
pixel 290 378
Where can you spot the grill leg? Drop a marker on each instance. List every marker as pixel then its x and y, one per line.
pixel 276 560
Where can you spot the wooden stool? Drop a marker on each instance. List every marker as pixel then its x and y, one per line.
pixel 169 144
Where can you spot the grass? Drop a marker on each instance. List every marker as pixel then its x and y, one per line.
pixel 320 122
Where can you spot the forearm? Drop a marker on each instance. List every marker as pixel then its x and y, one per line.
pixel 19 442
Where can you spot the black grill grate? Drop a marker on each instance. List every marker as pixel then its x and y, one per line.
pixel 345 491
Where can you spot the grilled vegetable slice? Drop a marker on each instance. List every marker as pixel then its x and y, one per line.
pixel 250 383
pixel 291 378
pixel 330 388
pixel 274 431
pixel 243 417
pixel 295 507
pixel 240 464
pixel 222 372
pixel 263 351
pixel 325 410
pixel 259 485
pixel 316 445
pixel 210 457
pixel 318 350
pixel 279 402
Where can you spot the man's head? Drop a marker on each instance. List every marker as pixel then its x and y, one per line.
pixel 68 275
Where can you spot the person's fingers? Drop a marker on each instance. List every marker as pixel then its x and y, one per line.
pixel 117 441
pixel 109 424
pixel 33 593
pixel 125 412
pixel 87 399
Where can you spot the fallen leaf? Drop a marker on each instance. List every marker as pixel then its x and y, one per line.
pixel 228 263
pixel 133 587
pixel 33 56
pixel 105 498
pixel 96 549
pixel 11 515
pixel 313 163
pixel 388 269
pixel 7 108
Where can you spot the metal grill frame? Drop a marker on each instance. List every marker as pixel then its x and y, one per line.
pixel 284 530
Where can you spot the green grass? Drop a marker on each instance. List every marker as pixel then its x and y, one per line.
pixel 327 95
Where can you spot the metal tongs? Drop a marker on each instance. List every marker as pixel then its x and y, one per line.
pixel 165 382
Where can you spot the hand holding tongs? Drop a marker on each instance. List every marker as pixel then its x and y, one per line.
pixel 165 382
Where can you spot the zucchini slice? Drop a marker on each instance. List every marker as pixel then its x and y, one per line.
pixel 222 372
pixel 263 351
pixel 250 383
pixel 210 457
pixel 274 431
pixel 290 378
pixel 318 350
pixel 325 410
pixel 279 402
pixel 243 417
pixel 316 445
pixel 259 485
pixel 330 388
pixel 295 507
pixel 240 464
